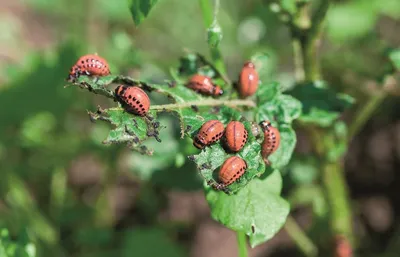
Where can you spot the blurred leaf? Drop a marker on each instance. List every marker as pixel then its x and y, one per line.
pixel 140 9
pixel 150 242
pixel 303 170
pixel 351 20
pixel 257 209
pixel 321 105
pixel 309 195
pixel 213 157
pixel 36 129
pixel 394 56
pixel 22 247
pixel 289 6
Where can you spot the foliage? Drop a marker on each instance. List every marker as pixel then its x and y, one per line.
pixel 47 139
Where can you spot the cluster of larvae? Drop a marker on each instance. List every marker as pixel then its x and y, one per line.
pixel 234 138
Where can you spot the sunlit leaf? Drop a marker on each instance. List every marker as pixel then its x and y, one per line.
pixel 257 209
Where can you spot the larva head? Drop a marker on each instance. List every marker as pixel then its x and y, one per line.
pixel 249 64
pixel 199 141
pixel 218 91
pixel 265 125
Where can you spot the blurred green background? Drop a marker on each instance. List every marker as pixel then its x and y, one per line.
pixel 67 194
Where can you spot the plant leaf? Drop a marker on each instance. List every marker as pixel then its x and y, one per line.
pixel 211 158
pixel 150 242
pixel 394 57
pixel 257 209
pixel 140 9
pixel 321 105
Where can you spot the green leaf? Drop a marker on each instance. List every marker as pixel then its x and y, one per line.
pixel 256 210
pixel 211 158
pixel 282 108
pixel 289 6
pixel 129 129
pixel 394 57
pixel 150 242
pixel 362 15
pixel 267 92
pixel 140 9
pixel 321 105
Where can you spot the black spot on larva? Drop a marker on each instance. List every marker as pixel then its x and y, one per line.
pixel 82 62
pixel 134 99
pixel 129 96
pixel 140 105
pixel 213 138
pixel 137 101
pixel 143 109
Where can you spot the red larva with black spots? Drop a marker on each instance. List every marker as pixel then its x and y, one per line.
pixel 91 65
pixel 133 99
pixel 203 85
pixel 272 139
pixel 248 80
pixel 209 133
pixel 231 170
pixel 235 136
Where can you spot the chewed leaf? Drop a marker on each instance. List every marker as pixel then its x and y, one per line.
pixel 129 129
pixel 257 209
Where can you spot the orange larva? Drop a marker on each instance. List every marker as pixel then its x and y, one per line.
pixel 342 247
pixel 248 80
pixel 231 170
pixel 203 85
pixel 91 65
pixel 272 139
pixel 210 132
pixel 235 136
pixel 133 99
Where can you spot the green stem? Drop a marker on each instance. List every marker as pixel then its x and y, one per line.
pixel 300 238
pixel 209 16
pixel 306 38
pixel 206 102
pixel 337 194
pixel 242 245
pixel 363 114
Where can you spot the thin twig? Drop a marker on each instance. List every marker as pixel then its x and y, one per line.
pixel 305 245
pixel 212 102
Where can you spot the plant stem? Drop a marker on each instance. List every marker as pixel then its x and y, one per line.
pixel 242 246
pixel 364 112
pixel 209 16
pixel 300 238
pixel 306 37
pixel 337 194
pixel 207 102
pixel 212 102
